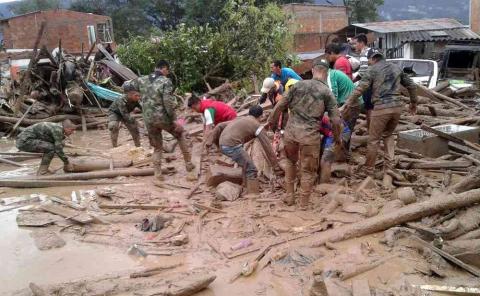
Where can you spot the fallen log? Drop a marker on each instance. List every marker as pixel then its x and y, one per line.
pixel 406 214
pixel 100 174
pixel 442 97
pixel 132 206
pixel 471 181
pixel 10 162
pixel 448 257
pixel 69 214
pixel 219 174
pixel 28 121
pixel 456 247
pixel 442 165
pixel 153 270
pixel 87 164
pixel 32 183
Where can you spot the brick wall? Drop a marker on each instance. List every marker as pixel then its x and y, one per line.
pixel 312 24
pixel 475 16
pixel 69 26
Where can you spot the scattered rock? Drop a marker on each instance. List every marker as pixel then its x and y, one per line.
pixel 405 194
pixel 228 191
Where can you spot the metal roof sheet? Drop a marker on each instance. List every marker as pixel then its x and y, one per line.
pixel 432 35
pixel 411 25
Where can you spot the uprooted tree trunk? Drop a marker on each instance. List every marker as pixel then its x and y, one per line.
pixel 406 214
pixel 468 183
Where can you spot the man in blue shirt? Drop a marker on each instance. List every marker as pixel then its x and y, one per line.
pixel 283 74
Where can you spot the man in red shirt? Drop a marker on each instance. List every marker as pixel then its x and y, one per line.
pixel 214 112
pixel 341 62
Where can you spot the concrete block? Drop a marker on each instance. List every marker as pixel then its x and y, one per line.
pixel 431 145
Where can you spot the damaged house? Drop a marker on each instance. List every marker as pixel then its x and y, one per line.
pixel 76 30
pixel 413 39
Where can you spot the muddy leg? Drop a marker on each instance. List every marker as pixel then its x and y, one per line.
pixel 114 128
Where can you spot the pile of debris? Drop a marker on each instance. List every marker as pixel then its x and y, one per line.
pixel 57 86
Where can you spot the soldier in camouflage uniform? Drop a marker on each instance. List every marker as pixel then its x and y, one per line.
pixel 307 101
pixel 120 110
pixel 159 114
pixel 46 138
pixel 385 79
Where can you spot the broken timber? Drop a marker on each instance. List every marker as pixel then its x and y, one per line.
pixel 406 214
pixel 29 183
pixel 448 257
pixel 69 214
pixel 100 174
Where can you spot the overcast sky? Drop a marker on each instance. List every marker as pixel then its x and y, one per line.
pixel 5 1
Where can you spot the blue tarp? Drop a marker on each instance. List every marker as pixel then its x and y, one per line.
pixel 103 93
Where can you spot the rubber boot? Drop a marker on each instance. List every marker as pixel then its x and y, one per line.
pixel 290 176
pixel 43 170
pixel 133 129
pixel 114 138
pixel 157 168
pixel 187 156
pixel 136 140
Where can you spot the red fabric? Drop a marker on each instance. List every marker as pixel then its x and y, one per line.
pixel 325 127
pixel 223 112
pixel 344 65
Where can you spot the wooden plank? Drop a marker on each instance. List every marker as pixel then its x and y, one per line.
pixel 442 165
pixel 67 203
pixel 132 206
pixel 361 288
pixel 452 259
pixel 79 217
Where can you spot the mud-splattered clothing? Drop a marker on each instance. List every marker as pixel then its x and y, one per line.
pixel 43 137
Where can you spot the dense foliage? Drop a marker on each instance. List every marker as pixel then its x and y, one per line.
pixel 244 44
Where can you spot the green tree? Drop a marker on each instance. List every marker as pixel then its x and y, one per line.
pixel 135 17
pixel 26 6
pixel 244 43
pixel 361 11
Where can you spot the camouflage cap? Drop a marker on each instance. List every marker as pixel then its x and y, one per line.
pixel 129 86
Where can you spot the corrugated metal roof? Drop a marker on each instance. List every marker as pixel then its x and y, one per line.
pixel 411 25
pixel 438 35
pixel 310 55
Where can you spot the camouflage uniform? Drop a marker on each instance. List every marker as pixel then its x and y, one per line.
pixel 158 113
pixel 43 137
pixel 118 112
pixel 385 79
pixel 307 101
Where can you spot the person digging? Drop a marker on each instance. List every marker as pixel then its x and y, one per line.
pixel 47 138
pixel 234 134
pixel 120 110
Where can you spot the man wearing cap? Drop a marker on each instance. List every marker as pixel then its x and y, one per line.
pixel 385 79
pixel 234 134
pixel 307 102
pixel 158 106
pixel 47 138
pixel 283 74
pixel 120 110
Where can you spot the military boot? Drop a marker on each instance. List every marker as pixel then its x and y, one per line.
pixel 114 138
pixel 43 170
pixel 157 168
pixel 290 175
pixel 187 156
pixel 136 140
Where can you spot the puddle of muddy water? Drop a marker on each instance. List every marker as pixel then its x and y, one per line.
pixel 23 263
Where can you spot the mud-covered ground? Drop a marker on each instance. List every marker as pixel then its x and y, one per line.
pixel 100 250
